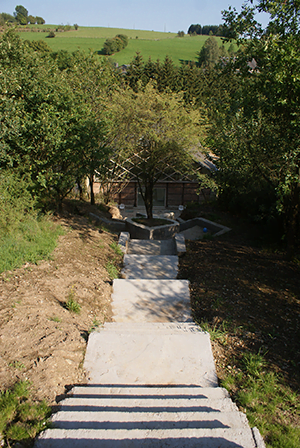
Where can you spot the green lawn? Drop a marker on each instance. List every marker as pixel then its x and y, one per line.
pixel 152 44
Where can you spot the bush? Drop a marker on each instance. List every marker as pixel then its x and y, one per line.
pixel 115 44
pixel 51 34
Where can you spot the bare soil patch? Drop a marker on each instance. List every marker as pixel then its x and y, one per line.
pixel 40 340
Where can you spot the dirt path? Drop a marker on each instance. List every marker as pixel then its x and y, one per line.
pixel 40 340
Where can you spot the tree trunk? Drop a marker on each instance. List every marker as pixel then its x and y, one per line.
pixel 80 189
pixel 91 182
pixel 292 221
pixel 148 199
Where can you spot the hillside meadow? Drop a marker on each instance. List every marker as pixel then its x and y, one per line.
pixel 156 45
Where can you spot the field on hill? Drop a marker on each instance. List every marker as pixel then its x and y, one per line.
pixel 152 44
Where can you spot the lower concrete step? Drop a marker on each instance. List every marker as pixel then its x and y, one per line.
pixel 176 417
pixel 152 247
pixel 150 266
pixel 150 355
pixel 145 300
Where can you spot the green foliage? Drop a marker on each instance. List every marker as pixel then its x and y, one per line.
pixel 256 117
pixel 39 20
pixel 38 45
pixel 265 398
pixel 115 44
pixel 116 248
pixel 50 120
pixel 216 332
pixel 112 270
pixel 51 34
pixel 210 53
pixel 21 15
pixel 24 237
pixel 6 18
pixel 21 419
pixel 156 132
pixel 211 30
pixel 71 303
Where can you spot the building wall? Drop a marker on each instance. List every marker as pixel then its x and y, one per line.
pixel 176 194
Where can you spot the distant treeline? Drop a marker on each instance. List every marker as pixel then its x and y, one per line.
pixel 20 17
pixel 215 30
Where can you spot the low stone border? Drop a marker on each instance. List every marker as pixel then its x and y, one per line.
pixel 213 227
pixel 123 241
pixel 115 225
pixel 142 232
pixel 180 244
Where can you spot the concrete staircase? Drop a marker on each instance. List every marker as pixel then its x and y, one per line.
pixel 152 379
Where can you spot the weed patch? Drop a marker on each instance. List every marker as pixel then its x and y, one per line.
pixel 112 270
pixel 116 248
pixel 72 304
pixel 21 419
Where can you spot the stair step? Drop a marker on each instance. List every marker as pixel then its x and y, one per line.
pixel 150 266
pixel 150 358
pixel 152 247
pixel 87 417
pixel 145 409
pixel 167 438
pixel 150 392
pixel 151 327
pixel 151 300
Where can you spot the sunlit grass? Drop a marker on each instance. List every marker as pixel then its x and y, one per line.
pixel 32 240
pixel 266 399
pixel 21 419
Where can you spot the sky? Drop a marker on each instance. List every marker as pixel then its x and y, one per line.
pixel 156 15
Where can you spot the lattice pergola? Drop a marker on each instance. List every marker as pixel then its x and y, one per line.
pixel 131 168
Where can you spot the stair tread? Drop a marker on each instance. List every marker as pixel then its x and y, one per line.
pixel 184 438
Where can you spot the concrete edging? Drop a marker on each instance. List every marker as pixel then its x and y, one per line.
pixel 216 229
pixel 115 225
pixel 140 231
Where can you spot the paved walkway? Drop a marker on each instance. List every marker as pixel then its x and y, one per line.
pixel 151 375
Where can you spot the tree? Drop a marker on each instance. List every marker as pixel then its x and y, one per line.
pixel 92 80
pixel 39 115
pixel 21 15
pixel 4 17
pixel 209 54
pixel 195 29
pixel 257 128
pixel 31 19
pixel 39 20
pixel 156 133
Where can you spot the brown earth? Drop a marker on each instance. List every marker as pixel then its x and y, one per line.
pixel 41 340
pixel 249 294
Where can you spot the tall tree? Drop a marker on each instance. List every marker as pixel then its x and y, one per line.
pixel 257 129
pixel 209 54
pixel 156 133
pixel 21 15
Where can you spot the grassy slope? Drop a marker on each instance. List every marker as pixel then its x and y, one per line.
pixel 152 44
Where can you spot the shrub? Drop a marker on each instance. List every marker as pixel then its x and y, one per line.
pixel 115 44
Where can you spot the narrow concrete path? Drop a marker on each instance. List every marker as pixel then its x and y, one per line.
pixel 151 375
